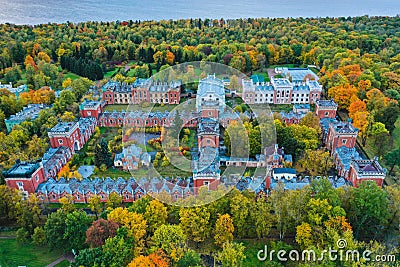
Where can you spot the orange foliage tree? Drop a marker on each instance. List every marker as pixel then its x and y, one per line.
pixel 342 94
pixel 153 260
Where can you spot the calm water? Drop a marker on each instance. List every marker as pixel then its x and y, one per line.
pixel 43 11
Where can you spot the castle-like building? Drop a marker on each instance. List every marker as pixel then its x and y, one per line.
pixel 142 90
pixel 281 91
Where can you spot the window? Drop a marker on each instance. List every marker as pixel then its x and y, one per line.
pixel 326 113
pixel 209 113
pixel 207 183
pixel 37 178
pixel 89 113
pixel 60 141
pixel 20 184
pixel 344 141
pixel 208 141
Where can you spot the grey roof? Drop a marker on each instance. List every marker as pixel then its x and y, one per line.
pixel 210 84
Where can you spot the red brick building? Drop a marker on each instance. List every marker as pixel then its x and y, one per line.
pixel 326 109
pixel 72 134
pixel 366 170
pixel 91 109
pixel 341 134
pixel 25 176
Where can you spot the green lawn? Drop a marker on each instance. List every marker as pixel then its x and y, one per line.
pixel 13 254
pixel 110 73
pixel 71 75
pixel 64 263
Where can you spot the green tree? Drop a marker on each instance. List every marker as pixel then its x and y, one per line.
pixel 54 230
pixel 392 159
pixel 240 213
pixel 232 254
pixel 76 225
pixel 368 210
pixel 171 239
pixel 102 154
pixel 38 237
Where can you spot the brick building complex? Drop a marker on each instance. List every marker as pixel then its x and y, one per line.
pixel 72 134
pixel 281 91
pixel 142 90
pixel 340 138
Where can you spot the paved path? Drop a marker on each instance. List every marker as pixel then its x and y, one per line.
pixel 68 256
pixel 7 237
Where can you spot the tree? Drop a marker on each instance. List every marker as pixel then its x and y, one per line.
pixel 114 200
pixel 117 250
pixel 232 254
pixel 392 159
pixel 76 225
pixel 102 154
pixel 38 237
pixel 67 83
pixel 304 235
pixel 317 162
pixel 223 230
pixel 191 258
pixel 311 120
pixel 99 231
pixel 195 223
pixel 68 117
pixel 54 230
pixel 171 239
pixel 28 213
pixel 95 204
pixel 67 203
pixel 368 210
pixel 153 260
pixel 8 208
pixel 239 210
pixel 260 214
pixel 342 94
pixel 133 222
pixel 155 215
pixel 234 83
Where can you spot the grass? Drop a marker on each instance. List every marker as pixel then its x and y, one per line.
pixel 64 263
pixel 13 254
pixel 71 75
pixel 110 73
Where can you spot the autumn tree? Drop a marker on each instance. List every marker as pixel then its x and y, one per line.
pixel 99 231
pixel 155 215
pixel 134 223
pixel 317 162
pixel 223 230
pixel 114 200
pixel 95 204
pixel 195 223
pixel 342 94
